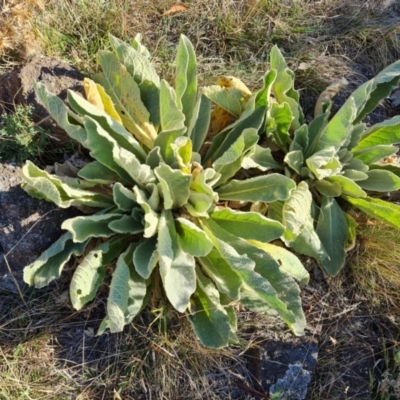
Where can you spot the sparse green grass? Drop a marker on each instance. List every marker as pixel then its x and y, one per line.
pixel 323 42
pixel 21 139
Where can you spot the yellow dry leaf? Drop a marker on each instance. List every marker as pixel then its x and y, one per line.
pixel 108 104
pixel 92 94
pixel 97 96
pixel 175 9
pixel 235 83
pixel 220 119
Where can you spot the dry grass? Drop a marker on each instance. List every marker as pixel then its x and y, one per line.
pixel 49 351
pixel 360 321
pixel 17 36
pixel 376 266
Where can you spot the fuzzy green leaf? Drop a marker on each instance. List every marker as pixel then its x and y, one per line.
pixel 126 224
pixel 279 123
pixel 229 99
pixel 164 141
pixel 254 120
pixel 141 173
pixel 105 149
pixel 261 159
pixel 59 111
pixel 226 279
pixel 151 218
pixel 296 216
pixel 174 186
pixel 283 86
pixel 208 317
pixel 117 302
pixel 265 286
pixel 386 132
pixel 324 163
pixel 145 257
pixel 57 189
pixel 329 189
pixel 97 172
pixel 250 118
pixel 248 225
pixel 267 189
pixel 139 47
pixel 296 211
pixel 381 181
pixel 371 155
pixel 137 63
pixel 177 268
pixel 300 139
pixel 123 197
pixel 86 227
pixel 172 118
pixel 50 263
pixel 231 161
pixel 186 77
pixel 376 208
pixel 90 273
pixel 357 106
pixel 354 175
pixel 200 122
pixel 349 187
pixel 192 239
pixel 124 138
pixel 333 232
pixel 263 96
pixel 295 160
pixel 136 60
pixel 287 261
pixel 392 167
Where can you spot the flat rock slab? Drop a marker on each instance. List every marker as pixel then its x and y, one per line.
pixel 28 226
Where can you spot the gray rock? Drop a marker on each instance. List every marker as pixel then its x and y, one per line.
pixel 294 384
pixel 28 226
pixel 283 362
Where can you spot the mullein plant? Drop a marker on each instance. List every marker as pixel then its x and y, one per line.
pixel 338 163
pixel 192 192
pixel 174 210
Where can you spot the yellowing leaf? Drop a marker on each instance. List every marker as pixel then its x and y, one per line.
pixel 220 119
pixel 108 104
pixel 235 83
pixel 92 94
pixel 97 96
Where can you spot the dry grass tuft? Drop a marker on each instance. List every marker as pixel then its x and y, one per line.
pixel 17 37
pixel 375 267
pixel 49 351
